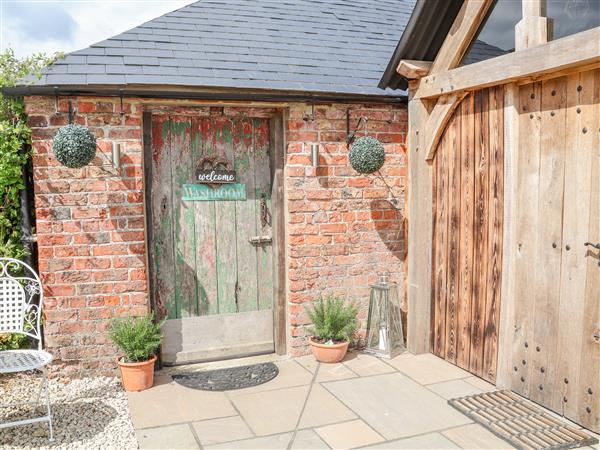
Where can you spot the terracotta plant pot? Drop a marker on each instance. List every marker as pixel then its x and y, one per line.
pixel 329 353
pixel 137 376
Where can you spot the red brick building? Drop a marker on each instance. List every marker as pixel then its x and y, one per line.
pixel 127 234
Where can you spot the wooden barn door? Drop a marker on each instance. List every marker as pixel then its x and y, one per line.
pixel 467 234
pixel 556 320
pixel 211 260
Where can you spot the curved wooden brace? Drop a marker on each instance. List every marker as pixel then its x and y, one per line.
pixel 438 119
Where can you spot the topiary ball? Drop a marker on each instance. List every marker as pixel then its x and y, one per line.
pixel 74 146
pixel 366 155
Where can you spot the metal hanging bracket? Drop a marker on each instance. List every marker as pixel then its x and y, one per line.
pixel 351 136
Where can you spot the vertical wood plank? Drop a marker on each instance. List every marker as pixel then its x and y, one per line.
pixel 495 225
pixel 205 227
pixel 440 238
pixel 453 151
pixel 480 231
pixel 526 234
pixel 225 223
pixel 548 249
pixel 576 227
pixel 245 211
pixel 262 174
pixel 183 216
pixel 162 220
pixel 588 400
pixel 467 199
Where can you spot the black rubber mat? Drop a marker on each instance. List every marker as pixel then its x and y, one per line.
pixel 228 379
pixel 520 422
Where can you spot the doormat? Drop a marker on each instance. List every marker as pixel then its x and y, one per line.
pixel 228 379
pixel 519 422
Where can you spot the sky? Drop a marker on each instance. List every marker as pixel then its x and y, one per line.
pixel 32 26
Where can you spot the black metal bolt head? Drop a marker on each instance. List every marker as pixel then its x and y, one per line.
pixel 553 93
pixel 579 88
pixel 589 391
pixel 566 381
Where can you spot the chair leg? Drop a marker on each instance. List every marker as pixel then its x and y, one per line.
pixel 49 412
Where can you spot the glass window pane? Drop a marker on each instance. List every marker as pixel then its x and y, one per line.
pixel 573 16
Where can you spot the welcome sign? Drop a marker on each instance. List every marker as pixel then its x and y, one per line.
pixel 215 176
pixel 203 193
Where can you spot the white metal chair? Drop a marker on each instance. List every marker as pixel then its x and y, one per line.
pixel 21 299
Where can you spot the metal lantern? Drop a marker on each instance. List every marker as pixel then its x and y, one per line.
pixel 384 327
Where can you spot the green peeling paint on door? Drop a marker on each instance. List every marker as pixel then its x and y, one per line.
pixel 204 261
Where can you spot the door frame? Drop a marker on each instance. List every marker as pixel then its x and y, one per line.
pixel 277 145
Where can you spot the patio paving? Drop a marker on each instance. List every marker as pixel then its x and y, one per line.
pixel 364 402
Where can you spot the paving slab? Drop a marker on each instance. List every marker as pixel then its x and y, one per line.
pixel 427 368
pixel 271 412
pixel 475 436
pixel 396 406
pixel 322 408
pixel 226 429
pixel 327 372
pixel 308 440
pixel 367 365
pixel 481 384
pixel 431 441
pixel 291 374
pixel 169 403
pixel 453 389
pixel 349 435
pixel 276 442
pixel 170 437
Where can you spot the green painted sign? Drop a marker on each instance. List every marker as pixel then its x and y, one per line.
pixel 203 193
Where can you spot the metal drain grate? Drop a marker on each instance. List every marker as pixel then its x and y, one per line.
pixel 519 422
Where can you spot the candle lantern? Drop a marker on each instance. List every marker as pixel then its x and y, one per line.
pixel 384 327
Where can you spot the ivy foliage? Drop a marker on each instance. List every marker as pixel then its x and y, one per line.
pixel 15 140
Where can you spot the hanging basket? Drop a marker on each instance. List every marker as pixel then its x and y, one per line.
pixel 74 146
pixel 366 155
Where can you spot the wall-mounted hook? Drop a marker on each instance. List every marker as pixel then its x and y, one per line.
pixel 351 136
pixel 310 116
pixel 72 112
pixel 122 111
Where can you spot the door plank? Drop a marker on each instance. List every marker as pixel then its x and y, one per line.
pixel 183 216
pixel 225 222
pixel 480 231
pixel 162 220
pixel 548 249
pixel 467 199
pixel 439 258
pixel 263 185
pixel 526 233
pixel 453 152
pixel 495 225
pixel 576 227
pixel 205 228
pixel 589 391
pixel 245 216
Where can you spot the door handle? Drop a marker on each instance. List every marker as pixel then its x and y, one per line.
pixel 596 246
pixel 258 240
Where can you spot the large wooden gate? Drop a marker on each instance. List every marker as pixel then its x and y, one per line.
pixel 211 261
pixel 467 234
pixel 555 319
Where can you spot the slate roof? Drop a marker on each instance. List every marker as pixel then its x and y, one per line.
pixel 325 46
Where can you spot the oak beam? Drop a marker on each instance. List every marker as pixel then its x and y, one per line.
pixel 420 229
pixel 534 28
pixel 460 36
pixel 570 52
pixel 438 119
pixel 412 69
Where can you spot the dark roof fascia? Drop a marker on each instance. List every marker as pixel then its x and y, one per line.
pixel 175 92
pixel 423 37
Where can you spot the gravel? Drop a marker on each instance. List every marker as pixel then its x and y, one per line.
pixel 90 413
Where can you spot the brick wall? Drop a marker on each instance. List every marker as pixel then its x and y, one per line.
pixel 343 229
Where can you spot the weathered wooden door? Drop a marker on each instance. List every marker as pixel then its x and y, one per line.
pixel 555 322
pixel 467 234
pixel 211 277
